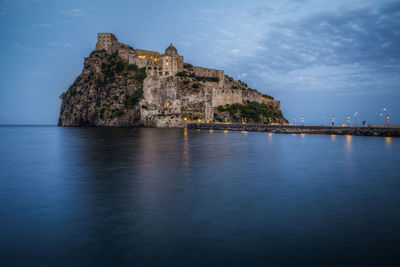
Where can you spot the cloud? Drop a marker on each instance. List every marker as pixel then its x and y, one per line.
pixel 344 50
pixel 44 25
pixel 60 44
pixel 73 12
pixel 23 47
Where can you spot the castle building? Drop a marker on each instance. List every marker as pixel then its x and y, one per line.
pixel 156 64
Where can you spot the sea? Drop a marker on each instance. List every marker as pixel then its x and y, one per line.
pixel 178 197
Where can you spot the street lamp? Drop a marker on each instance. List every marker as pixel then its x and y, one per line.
pixel 384 115
pixel 333 120
pixel 302 120
pixel 348 120
pixel 382 118
pixel 355 118
pixel 388 120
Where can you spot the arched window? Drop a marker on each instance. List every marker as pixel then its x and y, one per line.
pixel 149 68
pixel 160 73
pixel 155 73
pixel 166 73
pixel 160 68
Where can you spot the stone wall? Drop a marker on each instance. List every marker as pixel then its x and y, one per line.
pixel 223 96
pixel 251 96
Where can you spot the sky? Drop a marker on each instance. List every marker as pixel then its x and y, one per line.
pixel 319 58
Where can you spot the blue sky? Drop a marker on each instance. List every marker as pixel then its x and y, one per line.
pixel 319 58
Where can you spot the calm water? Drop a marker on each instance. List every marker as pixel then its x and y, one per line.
pixel 169 197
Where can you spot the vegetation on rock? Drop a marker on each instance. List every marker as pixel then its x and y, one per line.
pixel 250 112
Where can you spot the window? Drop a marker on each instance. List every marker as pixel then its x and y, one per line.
pixel 160 73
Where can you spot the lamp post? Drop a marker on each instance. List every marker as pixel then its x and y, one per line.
pixel 384 115
pixel 333 120
pixel 355 118
pixel 388 120
pixel 348 120
pixel 382 118
pixel 302 120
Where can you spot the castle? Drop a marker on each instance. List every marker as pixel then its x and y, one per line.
pixel 171 94
pixel 156 64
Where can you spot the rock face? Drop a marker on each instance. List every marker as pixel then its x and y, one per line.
pixel 112 92
pixel 106 93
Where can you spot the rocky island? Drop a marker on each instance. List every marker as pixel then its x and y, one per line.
pixel 127 87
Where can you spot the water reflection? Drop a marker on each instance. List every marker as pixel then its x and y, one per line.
pixel 388 141
pixel 333 137
pixel 125 195
pixel 348 141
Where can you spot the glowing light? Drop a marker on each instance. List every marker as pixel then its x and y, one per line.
pixel 169 106
pixel 302 135
pixel 333 136
pixel 348 140
pixel 226 131
pixel 141 56
pixel 199 120
pixel 344 125
pixel 208 121
pixel 211 131
pixel 185 119
pixel 243 122
pixel 270 134
pixel 388 140
pixel 245 132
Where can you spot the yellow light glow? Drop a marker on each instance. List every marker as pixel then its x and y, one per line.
pixel 208 121
pixel 199 120
pixel 169 106
pixel 388 140
pixel 245 132
pixel 141 56
pixel 166 63
pixel 211 131
pixel 243 122
pixel 343 125
pixel 302 135
pixel 333 136
pixel 226 131
pixel 185 119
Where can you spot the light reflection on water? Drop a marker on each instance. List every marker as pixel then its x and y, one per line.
pixel 109 197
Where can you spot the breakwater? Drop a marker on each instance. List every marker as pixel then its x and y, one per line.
pixel 299 129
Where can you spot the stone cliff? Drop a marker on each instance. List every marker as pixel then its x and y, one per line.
pixel 112 92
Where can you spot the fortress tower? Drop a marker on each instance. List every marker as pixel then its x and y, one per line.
pixel 106 41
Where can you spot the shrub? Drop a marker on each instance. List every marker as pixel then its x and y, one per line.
pixel 188 66
pixel 182 74
pixel 195 85
pixel 132 100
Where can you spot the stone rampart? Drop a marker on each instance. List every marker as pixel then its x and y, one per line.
pixel 223 96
